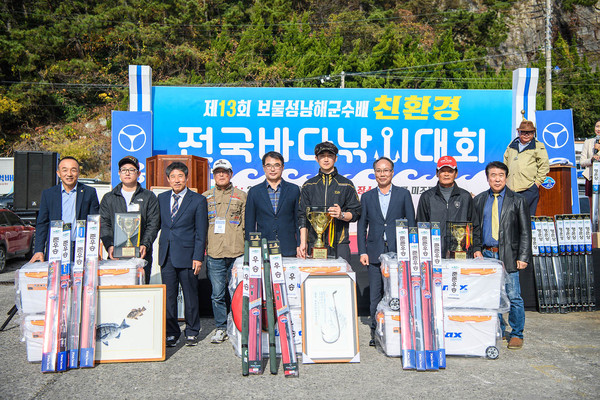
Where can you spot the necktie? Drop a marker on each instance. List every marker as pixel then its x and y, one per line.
pixel 495 219
pixel 175 207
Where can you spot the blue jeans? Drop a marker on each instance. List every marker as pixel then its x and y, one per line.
pixel 219 271
pixel 516 315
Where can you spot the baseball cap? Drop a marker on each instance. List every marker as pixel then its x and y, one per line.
pixel 223 164
pixel 326 146
pixel 130 160
pixel 446 161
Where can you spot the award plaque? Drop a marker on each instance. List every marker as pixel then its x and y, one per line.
pixel 319 219
pixel 127 235
pixel 459 237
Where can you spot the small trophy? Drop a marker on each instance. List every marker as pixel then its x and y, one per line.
pixel 319 218
pixel 127 227
pixel 460 240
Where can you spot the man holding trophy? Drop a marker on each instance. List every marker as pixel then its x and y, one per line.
pixel 143 220
pixel 328 203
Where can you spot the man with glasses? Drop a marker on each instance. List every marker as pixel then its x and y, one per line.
pixel 130 196
pixel 272 207
pixel 528 165
pixel 225 239
pixel 68 201
pixel 335 192
pixel 381 207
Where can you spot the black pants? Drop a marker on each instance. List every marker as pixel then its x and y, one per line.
pixel 532 195
pixel 172 277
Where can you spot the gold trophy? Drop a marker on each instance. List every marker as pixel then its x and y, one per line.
pixel 129 224
pixel 462 232
pixel 320 219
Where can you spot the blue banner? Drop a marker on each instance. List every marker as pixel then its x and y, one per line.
pixel 555 130
pixel 131 135
pixel 412 127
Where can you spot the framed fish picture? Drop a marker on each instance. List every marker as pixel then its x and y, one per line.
pixel 130 324
pixel 329 318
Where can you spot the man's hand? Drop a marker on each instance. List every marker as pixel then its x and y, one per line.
pixel 143 251
pixel 335 211
pixel 477 254
pixel 111 252
pixel 301 250
pixel 521 264
pixel 196 265
pixel 39 256
pixel 364 259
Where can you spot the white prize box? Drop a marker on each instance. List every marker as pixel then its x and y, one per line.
pixel 470 333
pixel 119 272
pixel 32 280
pixel 388 331
pixel 33 333
pixel 472 283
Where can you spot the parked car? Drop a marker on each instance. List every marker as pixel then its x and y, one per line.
pixel 16 237
pixel 7 200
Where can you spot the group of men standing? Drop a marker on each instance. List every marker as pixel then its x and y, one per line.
pixel 210 228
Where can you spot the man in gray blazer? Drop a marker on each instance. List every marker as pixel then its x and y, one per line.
pixel 381 207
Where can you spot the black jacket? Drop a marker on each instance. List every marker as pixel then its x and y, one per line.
pixel 514 239
pixel 434 208
pixel 327 190
pixel 114 202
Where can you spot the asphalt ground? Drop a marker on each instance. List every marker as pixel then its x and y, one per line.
pixel 560 359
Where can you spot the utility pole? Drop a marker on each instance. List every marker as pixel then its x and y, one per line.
pixel 548 55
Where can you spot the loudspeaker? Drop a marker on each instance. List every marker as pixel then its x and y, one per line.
pixel 34 172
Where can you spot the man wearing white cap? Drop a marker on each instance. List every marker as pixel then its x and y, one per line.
pixel 225 239
pixel 446 202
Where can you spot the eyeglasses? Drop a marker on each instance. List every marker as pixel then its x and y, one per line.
pixel 127 171
pixel 272 166
pixel 383 171
pixel 526 132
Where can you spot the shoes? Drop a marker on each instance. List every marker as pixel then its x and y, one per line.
pixel 515 343
pixel 219 337
pixel 372 342
pixel 171 341
pixel 192 340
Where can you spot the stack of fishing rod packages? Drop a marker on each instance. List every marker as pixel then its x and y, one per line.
pixel 263 275
pixel 57 299
pixel 563 264
pixel 410 315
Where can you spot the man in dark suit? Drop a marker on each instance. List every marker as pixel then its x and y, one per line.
pixel 68 201
pixel 503 211
pixel 272 207
pixel 184 221
pixel 381 207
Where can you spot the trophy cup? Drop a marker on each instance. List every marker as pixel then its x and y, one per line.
pixel 461 239
pixel 127 225
pixel 319 218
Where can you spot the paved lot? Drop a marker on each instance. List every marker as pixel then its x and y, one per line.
pixel 560 360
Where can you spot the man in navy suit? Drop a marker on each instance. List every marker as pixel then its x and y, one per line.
pixel 68 201
pixel 272 207
pixel 381 207
pixel 184 222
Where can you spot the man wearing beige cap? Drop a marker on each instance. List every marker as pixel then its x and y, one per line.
pixel 225 239
pixel 528 165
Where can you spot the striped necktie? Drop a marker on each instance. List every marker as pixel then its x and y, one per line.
pixel 175 207
pixel 495 219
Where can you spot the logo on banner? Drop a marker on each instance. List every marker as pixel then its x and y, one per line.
pixel 132 138
pixel 555 135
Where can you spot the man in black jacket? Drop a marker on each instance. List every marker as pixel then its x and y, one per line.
pixel 129 196
pixel 505 235
pixel 446 202
pixel 337 193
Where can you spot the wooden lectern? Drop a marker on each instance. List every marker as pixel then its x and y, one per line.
pixel 557 200
pixel 198 174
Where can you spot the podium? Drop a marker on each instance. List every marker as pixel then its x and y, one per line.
pixel 198 171
pixel 557 200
